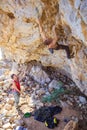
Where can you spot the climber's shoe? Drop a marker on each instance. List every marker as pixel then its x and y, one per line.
pixel 51 50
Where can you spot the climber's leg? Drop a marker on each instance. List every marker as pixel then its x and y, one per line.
pixel 64 47
pixel 67 51
pixel 37 11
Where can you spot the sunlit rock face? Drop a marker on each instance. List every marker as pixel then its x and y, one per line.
pixel 21 41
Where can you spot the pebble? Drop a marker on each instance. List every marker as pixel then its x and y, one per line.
pixel 8 125
pixel 82 100
pixel 8 107
pixel 11 101
pixel 40 92
pixel 20 122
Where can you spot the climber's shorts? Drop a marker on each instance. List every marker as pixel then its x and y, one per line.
pixel 16 98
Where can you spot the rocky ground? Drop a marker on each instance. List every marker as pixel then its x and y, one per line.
pixel 36 83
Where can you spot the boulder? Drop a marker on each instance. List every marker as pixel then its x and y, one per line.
pixel 54 85
pixel 39 75
pixel 71 125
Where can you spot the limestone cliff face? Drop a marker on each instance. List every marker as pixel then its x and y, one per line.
pixel 21 41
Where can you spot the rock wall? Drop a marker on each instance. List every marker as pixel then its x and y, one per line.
pixel 20 39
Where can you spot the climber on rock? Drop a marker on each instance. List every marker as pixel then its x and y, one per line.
pixel 52 43
pixel 16 89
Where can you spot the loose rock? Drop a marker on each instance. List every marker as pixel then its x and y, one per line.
pixel 7 126
pixel 54 84
pixel 82 100
pixel 72 125
pixel 39 75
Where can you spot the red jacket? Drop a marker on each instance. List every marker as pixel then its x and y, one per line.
pixel 17 83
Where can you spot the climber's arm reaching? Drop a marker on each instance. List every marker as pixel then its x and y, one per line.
pixel 55 34
pixel 43 35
